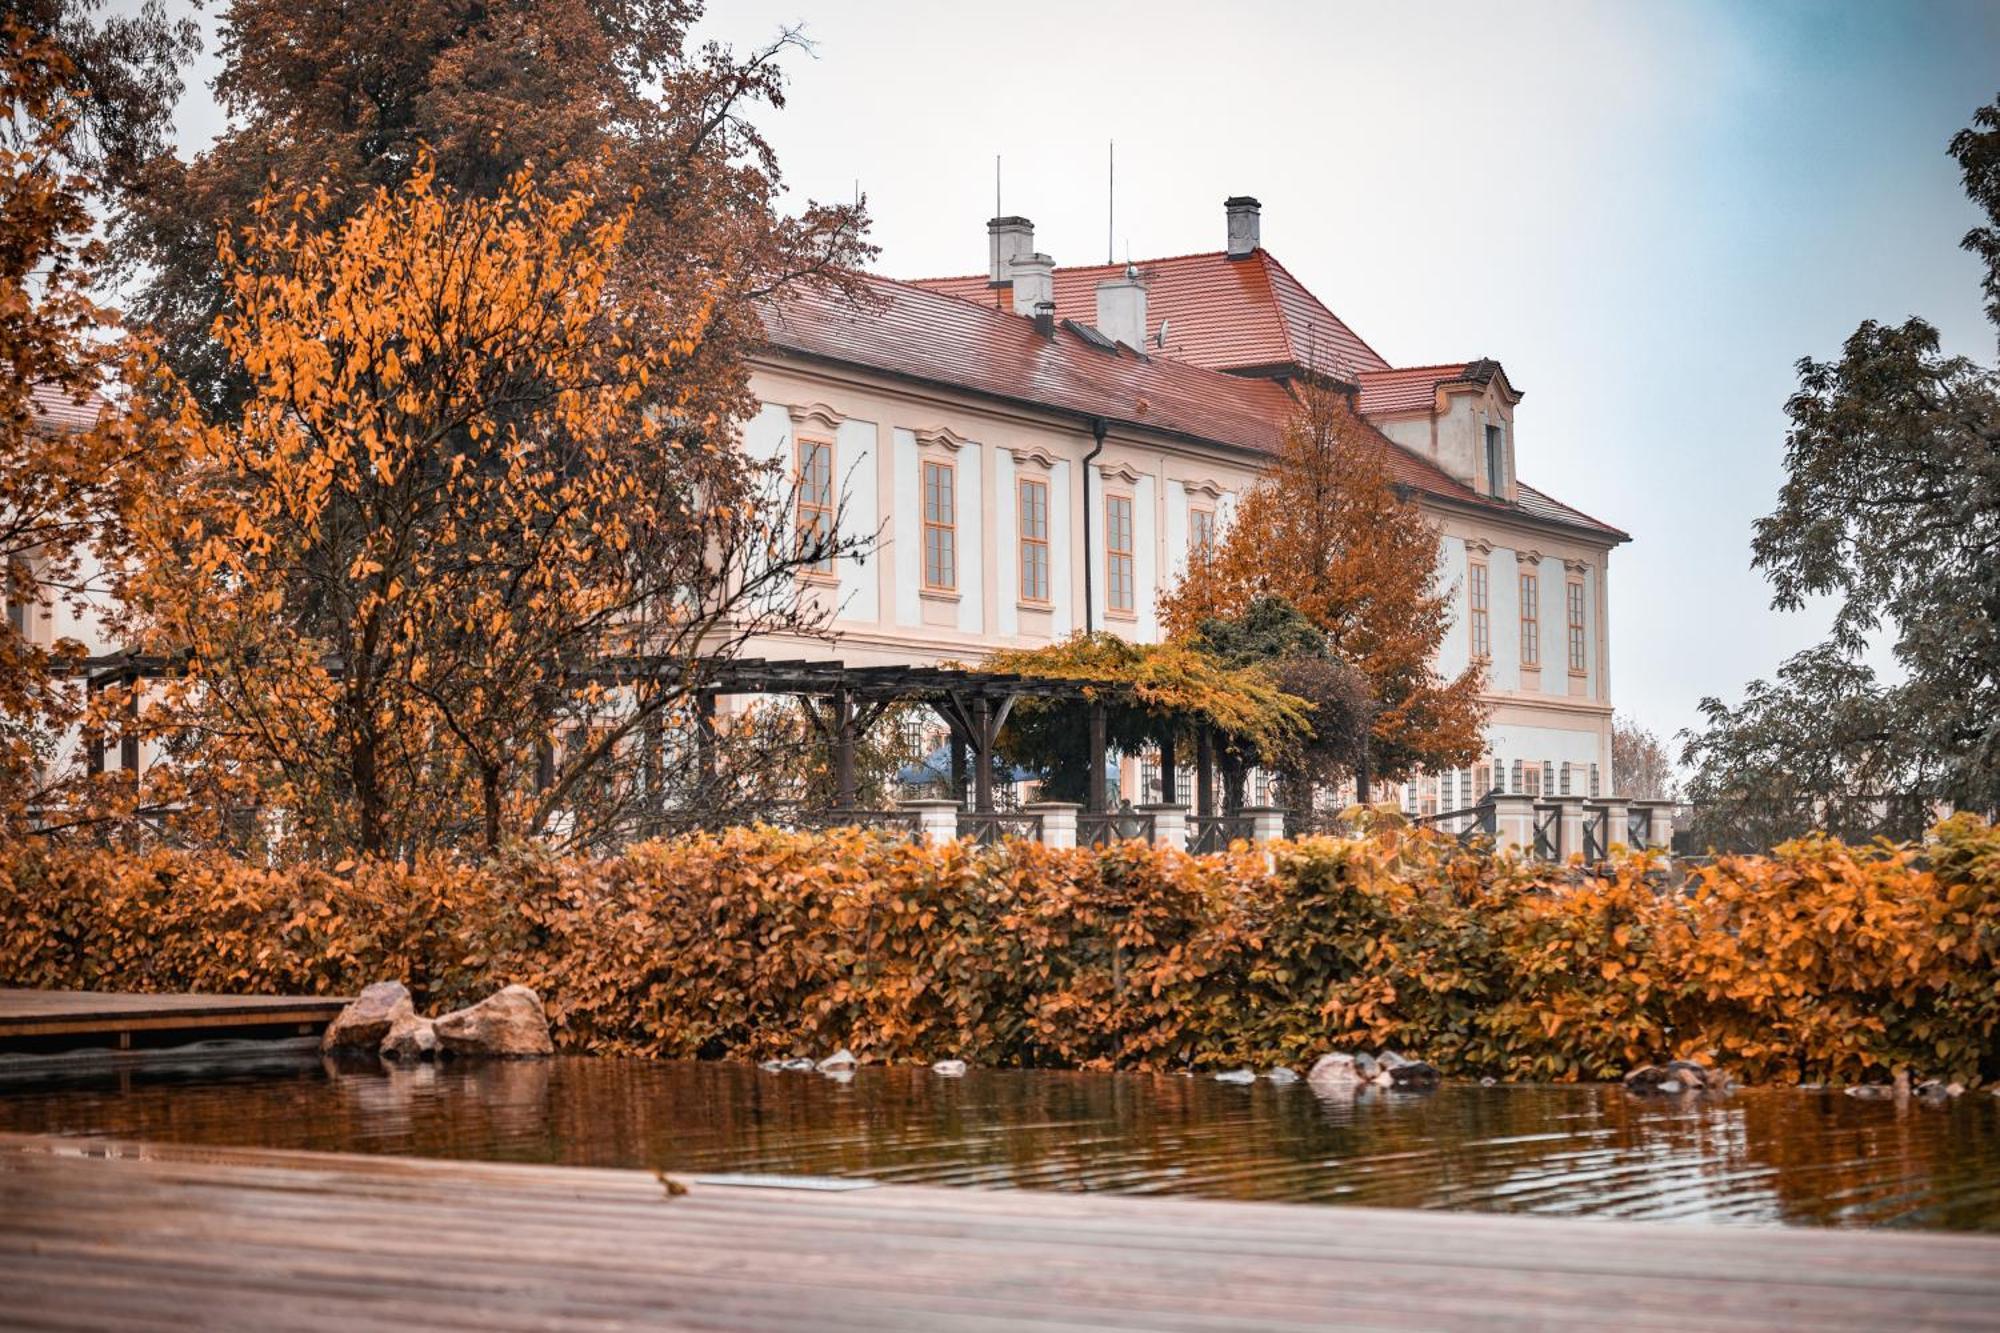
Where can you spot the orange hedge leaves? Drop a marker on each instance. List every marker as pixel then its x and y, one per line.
pixel 1819 961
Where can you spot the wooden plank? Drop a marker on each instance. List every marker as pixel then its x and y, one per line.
pixel 103 1234
pixel 28 1013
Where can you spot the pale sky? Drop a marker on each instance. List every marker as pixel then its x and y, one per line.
pixel 1647 212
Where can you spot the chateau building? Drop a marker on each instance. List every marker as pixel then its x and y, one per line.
pixel 1037 449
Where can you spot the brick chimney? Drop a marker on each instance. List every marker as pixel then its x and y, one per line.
pixel 1244 226
pixel 1121 309
pixel 1034 283
pixel 1007 239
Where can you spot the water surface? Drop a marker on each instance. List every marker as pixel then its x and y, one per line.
pixel 1756 1156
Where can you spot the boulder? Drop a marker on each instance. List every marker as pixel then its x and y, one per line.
pixel 1281 1075
pixel 1336 1070
pixel 949 1068
pixel 1412 1074
pixel 1366 1065
pixel 1392 1060
pixel 1237 1076
pixel 411 1038
pixel 509 1022
pixel 840 1061
pixel 363 1024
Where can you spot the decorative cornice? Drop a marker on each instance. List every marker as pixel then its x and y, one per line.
pixel 1479 545
pixel 1576 566
pixel 1122 471
pixel 807 414
pixel 941 437
pixel 1528 557
pixel 1208 486
pixel 1035 454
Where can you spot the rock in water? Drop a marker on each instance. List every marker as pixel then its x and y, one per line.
pixel 1412 1074
pixel 1366 1065
pixel 1237 1076
pixel 1281 1075
pixel 842 1059
pixel 1392 1060
pixel 1647 1078
pixel 363 1024
pixel 949 1068
pixel 1337 1069
pixel 509 1022
pixel 411 1038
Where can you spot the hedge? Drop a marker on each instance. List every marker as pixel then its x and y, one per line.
pixel 1820 961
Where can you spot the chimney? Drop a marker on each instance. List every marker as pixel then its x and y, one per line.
pixel 1121 309
pixel 1034 282
pixel 1243 225
pixel 1045 318
pixel 1007 239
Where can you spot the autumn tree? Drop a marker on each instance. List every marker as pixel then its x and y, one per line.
pixel 1640 762
pixel 1273 635
pixel 1891 508
pixel 1820 747
pixel 1152 692
pixel 346 95
pixel 82 101
pixel 448 569
pixel 1329 531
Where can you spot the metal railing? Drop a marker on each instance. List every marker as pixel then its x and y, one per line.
pixel 1596 834
pixel 1101 830
pixel 1548 833
pixel 987 828
pixel 1474 821
pixel 1638 827
pixel 905 822
pixel 1215 833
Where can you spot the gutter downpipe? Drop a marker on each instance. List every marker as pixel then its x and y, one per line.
pixel 1099 427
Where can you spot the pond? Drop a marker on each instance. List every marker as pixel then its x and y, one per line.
pixel 1754 1156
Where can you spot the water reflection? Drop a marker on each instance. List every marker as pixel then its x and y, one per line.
pixel 1756 1156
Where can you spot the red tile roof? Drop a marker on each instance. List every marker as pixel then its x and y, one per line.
pixel 1404 389
pixel 57 409
pixel 1222 313
pixel 909 330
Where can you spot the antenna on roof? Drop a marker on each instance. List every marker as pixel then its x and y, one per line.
pixel 1111 201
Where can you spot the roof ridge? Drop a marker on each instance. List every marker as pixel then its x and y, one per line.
pixel 1411 370
pixel 1272 260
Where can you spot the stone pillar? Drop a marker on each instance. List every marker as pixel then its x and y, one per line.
pixel 1569 825
pixel 1058 821
pixel 936 818
pixel 1267 823
pixel 1514 822
pixel 1170 826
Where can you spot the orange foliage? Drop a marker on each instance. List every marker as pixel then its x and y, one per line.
pixel 1328 531
pixel 464 476
pixel 1820 961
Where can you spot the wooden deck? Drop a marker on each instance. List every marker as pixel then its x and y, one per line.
pixel 38 1018
pixel 96 1234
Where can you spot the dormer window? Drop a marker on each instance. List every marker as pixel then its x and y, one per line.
pixel 1496 460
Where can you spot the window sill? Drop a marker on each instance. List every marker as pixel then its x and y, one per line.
pixel 1129 616
pixel 825 578
pixel 1029 604
pixel 938 594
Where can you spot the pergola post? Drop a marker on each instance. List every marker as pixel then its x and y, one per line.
pixel 1204 774
pixel 1098 802
pixel 982 754
pixel 957 765
pixel 1168 782
pixel 843 750
pixel 704 736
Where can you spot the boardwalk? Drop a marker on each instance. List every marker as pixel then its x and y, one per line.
pixel 96 1234
pixel 44 1019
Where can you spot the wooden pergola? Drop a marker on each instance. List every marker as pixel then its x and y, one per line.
pixel 841 701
